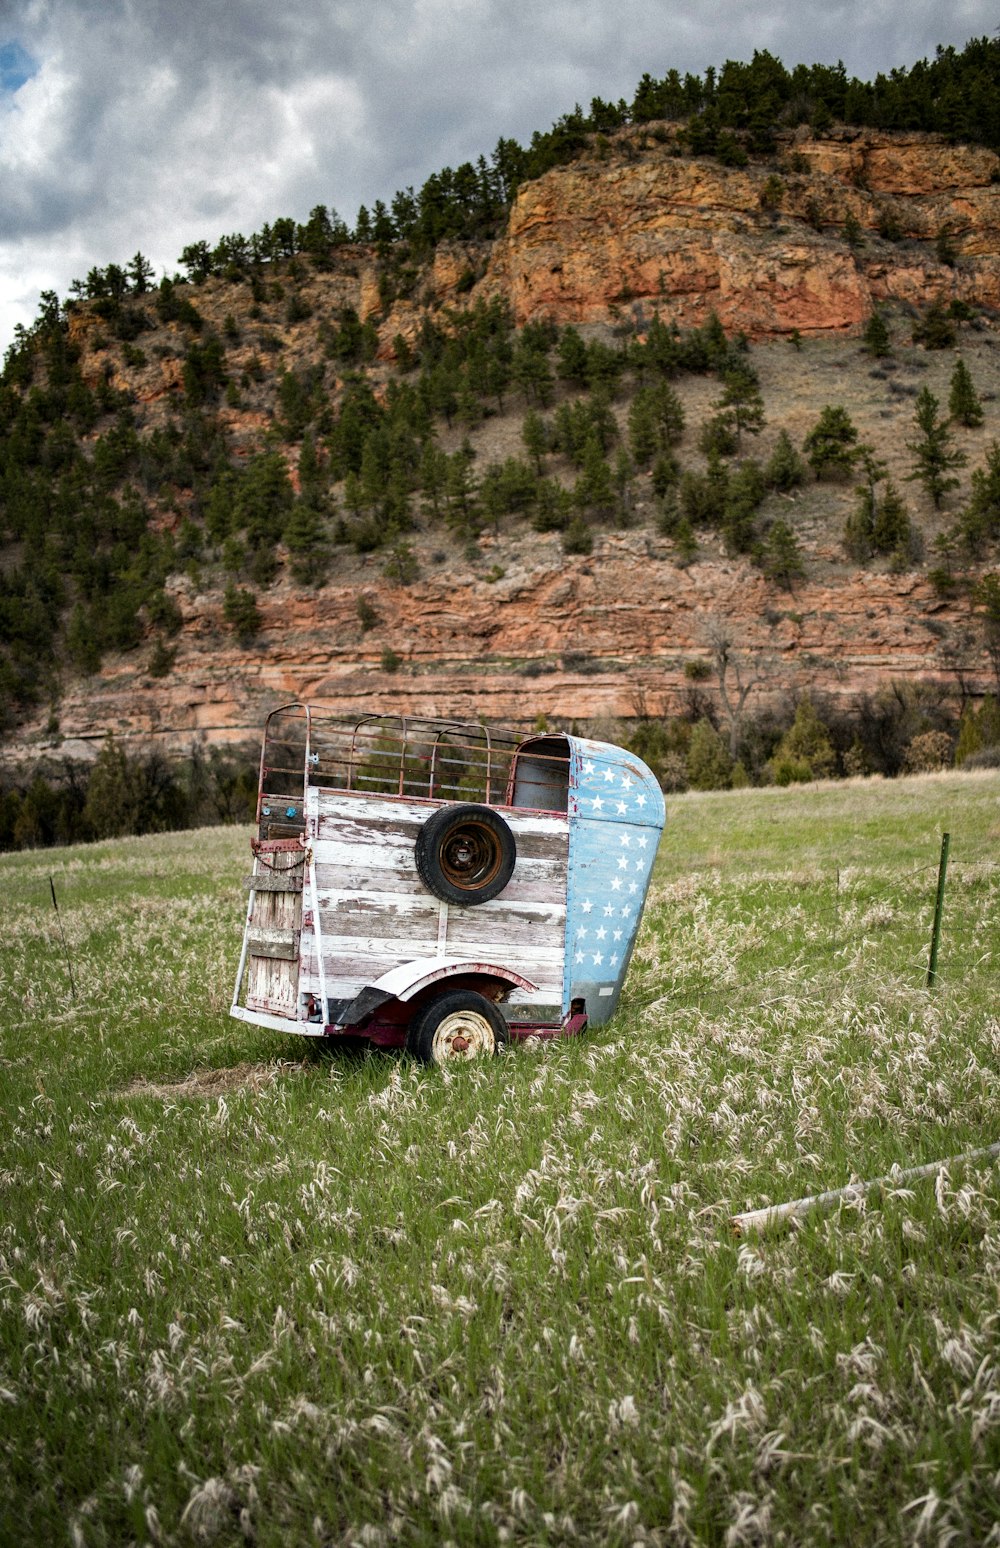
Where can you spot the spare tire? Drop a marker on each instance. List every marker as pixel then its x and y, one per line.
pixel 465 854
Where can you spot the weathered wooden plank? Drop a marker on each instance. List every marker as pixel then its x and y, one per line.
pixel 375 912
pixel 358 855
pixel 547 887
pixel 273 881
pixel 376 954
pixel 273 943
pixel 403 918
pixel 393 812
pixel 272 985
pixel 523 931
pixel 407 912
pixel 395 844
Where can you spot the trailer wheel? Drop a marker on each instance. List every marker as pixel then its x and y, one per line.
pixel 465 854
pixel 457 1025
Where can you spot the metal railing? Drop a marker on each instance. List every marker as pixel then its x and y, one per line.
pixel 402 756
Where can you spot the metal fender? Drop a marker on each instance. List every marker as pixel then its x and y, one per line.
pixel 409 978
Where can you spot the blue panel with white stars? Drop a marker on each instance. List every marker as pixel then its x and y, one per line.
pixel 616 817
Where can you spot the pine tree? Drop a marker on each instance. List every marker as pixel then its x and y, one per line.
pixel 805 751
pixel 553 506
pixel 933 452
pixel 665 473
pixel 708 762
pixel 461 496
pixel 305 539
pixel 781 558
pixel 860 525
pixel 936 329
pixel 963 400
pixel 643 435
pixel 891 528
pixel 742 402
pixel 718 436
pixel 876 338
pixel 784 469
pixel 595 490
pixel 830 446
pixel 987 600
pixel 535 438
pixel 685 543
pixel 980 521
pixel 239 609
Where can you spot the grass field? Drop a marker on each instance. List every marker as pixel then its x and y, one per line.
pixel 256 1291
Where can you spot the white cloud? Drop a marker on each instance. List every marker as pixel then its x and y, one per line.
pixel 149 124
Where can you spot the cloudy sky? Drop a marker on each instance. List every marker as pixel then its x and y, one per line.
pixel 144 125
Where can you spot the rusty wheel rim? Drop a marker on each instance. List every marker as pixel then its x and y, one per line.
pixel 463 1034
pixel 470 856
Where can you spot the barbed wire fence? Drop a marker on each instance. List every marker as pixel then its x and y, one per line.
pixel 859 903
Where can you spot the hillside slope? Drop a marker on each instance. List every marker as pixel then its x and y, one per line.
pixel 269 442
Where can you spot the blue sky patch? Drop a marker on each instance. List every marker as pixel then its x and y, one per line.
pixel 16 66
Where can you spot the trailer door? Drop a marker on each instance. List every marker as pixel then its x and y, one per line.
pixel 274 926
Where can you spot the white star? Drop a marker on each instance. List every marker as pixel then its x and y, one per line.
pixel 633 888
pixel 616 885
pixel 641 800
pixel 622 808
pixel 626 782
pixel 586 905
pixel 588 767
pixel 626 841
pixel 601 933
pixel 581 935
pixel 623 862
pixel 641 841
pixel 614 960
pixel 609 776
pixel 609 908
pixel 597 804
pixel 626 910
pixel 618 935
pixel 639 865
pixel 578 958
pixel 598 958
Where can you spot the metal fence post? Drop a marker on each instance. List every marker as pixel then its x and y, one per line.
pixel 938 906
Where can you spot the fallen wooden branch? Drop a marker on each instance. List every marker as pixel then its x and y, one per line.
pixel 778 1214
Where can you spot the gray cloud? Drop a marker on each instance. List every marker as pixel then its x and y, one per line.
pixel 152 123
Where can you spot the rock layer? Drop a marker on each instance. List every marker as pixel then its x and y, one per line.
pixel 584 639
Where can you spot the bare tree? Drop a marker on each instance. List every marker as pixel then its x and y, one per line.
pixel 737 674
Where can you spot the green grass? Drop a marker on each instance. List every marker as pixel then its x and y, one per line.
pixel 345 1299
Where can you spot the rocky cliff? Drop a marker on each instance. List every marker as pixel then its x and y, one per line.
pixel 645 228
pixel 630 229
pixel 597 638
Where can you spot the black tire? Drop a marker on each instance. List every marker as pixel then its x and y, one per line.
pixel 458 1025
pixel 465 854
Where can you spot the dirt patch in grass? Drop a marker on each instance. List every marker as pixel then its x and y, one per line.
pixel 214 1083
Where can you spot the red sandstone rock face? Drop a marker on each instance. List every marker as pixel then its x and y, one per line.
pixel 597 239
pixel 606 636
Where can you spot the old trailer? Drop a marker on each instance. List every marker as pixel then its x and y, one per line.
pixel 441 886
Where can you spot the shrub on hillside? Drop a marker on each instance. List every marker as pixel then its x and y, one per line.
pixel 805 751
pixel 929 752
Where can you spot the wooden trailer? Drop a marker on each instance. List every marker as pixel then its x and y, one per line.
pixel 441 886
